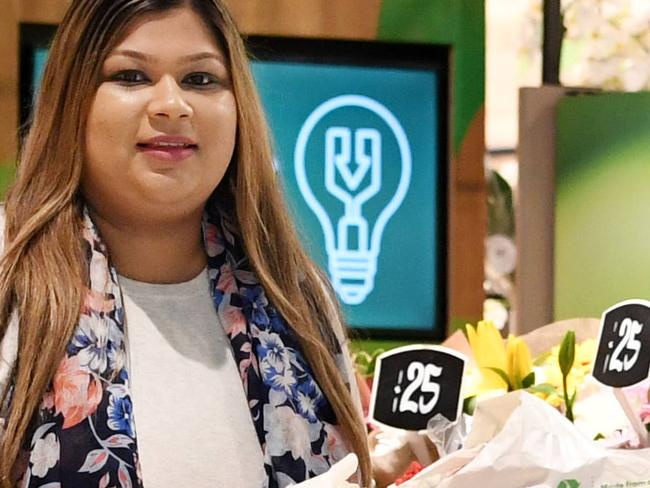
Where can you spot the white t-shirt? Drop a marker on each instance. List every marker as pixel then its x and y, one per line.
pixel 192 419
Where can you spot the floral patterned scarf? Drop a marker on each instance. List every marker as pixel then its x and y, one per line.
pixel 84 434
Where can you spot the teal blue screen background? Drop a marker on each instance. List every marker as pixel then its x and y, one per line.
pixel 40 58
pixel 407 283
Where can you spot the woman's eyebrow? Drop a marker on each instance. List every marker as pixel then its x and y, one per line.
pixel 188 58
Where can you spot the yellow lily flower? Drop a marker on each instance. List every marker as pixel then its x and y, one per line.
pixel 520 363
pixel 489 352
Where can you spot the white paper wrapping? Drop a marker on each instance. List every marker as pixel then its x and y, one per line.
pixel 518 440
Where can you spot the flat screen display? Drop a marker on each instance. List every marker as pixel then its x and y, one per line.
pixel 360 145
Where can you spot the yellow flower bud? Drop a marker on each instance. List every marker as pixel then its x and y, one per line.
pixel 520 363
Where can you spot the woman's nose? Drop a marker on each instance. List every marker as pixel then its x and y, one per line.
pixel 168 101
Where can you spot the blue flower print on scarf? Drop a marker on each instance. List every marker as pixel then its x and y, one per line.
pixel 98 343
pixel 309 399
pixel 275 362
pixel 120 415
pixel 254 306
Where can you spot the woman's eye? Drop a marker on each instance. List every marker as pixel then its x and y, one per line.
pixel 204 80
pixel 129 77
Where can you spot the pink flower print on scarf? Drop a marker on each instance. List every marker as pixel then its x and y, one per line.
pixel 77 393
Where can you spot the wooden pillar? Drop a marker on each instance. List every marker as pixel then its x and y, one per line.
pixel 467 227
pixel 9 80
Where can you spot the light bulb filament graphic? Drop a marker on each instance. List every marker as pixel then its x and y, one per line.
pixel 352 165
pixel 351 263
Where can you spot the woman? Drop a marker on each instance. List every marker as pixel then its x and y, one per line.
pixel 149 260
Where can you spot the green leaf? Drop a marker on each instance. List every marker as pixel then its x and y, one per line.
pixel 545 388
pixel 362 358
pixel 573 397
pixel 373 361
pixel 529 380
pixel 599 436
pixel 362 361
pixel 469 404
pixel 503 376
pixel 567 353
pixel 569 484
pixel 376 353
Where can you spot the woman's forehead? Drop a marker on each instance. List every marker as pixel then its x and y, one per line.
pixel 178 33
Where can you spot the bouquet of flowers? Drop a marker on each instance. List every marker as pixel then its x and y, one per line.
pixel 554 365
pixel 555 376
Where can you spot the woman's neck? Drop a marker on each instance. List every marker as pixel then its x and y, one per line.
pixel 170 252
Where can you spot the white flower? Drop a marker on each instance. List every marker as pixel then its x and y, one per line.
pixel 307 405
pixel 644 40
pixel 636 76
pixel 116 349
pixel 92 339
pixel 98 272
pixel 284 381
pixel 612 10
pixel 581 21
pixel 276 353
pixel 117 390
pixel 277 397
pixel 636 21
pixel 334 448
pixel 318 465
pixel 609 41
pixel 45 455
pixel 287 431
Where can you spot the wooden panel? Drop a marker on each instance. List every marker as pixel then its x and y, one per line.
pixel 312 18
pixel 8 80
pixel 43 11
pixel 344 19
pixel 468 226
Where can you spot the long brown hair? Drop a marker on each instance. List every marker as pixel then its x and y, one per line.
pixel 43 270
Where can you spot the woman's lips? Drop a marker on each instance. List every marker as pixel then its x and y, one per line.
pixel 168 152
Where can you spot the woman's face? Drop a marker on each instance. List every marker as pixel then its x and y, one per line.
pixel 162 125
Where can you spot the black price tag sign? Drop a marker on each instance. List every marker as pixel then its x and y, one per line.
pixel 623 357
pixel 414 383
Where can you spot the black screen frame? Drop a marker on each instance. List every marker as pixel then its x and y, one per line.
pixel 378 54
pixel 32 37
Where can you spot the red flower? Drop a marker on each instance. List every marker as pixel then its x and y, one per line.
pixel 412 470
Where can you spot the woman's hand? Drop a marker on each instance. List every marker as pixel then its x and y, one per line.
pixel 336 477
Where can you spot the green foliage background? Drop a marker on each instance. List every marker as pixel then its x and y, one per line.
pixel 7 172
pixel 602 231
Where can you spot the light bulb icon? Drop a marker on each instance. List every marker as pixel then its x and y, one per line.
pixel 353 165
